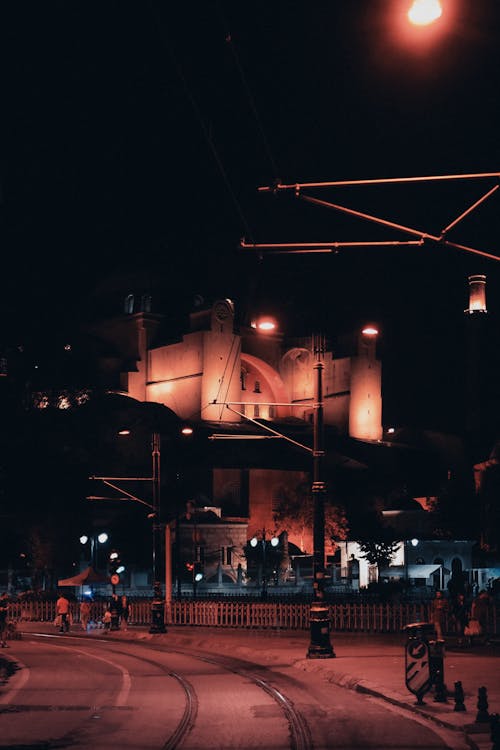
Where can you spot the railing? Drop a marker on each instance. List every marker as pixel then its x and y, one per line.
pixel 348 617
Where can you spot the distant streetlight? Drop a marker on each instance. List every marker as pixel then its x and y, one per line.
pixel 254 543
pixel 94 539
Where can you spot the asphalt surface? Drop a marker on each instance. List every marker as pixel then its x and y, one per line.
pixel 366 662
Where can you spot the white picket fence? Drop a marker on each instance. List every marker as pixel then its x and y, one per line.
pixel 348 617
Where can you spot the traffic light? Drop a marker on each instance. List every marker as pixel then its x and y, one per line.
pixel 114 562
pixel 197 572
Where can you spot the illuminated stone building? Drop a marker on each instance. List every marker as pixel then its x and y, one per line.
pixel 220 377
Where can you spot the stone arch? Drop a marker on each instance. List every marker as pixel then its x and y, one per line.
pixel 270 390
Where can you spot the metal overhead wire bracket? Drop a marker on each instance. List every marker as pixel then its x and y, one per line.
pixel 331 247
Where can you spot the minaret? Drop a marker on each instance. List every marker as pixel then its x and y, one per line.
pixel 365 406
pixel 477 375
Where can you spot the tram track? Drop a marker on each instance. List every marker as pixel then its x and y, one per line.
pixel 299 735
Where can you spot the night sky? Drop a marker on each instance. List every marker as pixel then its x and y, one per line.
pixel 135 136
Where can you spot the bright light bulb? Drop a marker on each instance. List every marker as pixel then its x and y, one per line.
pixel 424 12
pixel 102 537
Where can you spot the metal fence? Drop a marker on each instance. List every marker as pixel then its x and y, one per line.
pixel 347 617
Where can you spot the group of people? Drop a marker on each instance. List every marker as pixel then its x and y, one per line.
pixel 463 615
pixel 118 607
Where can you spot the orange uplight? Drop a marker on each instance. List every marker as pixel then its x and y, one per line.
pixel 369 331
pixel 187 430
pixel 424 12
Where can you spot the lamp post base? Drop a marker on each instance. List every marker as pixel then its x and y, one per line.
pixel 158 617
pixel 319 621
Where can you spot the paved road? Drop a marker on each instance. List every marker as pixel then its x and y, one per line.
pixel 365 663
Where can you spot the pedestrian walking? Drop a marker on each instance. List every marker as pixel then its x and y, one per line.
pixel 4 613
pixel 62 611
pixel 440 609
pixel 85 609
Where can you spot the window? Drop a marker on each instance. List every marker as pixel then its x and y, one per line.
pixel 256 388
pixel 256 411
pixel 226 555
pixel 243 379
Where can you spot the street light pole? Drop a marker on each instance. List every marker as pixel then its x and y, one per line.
pixel 319 616
pixel 274 543
pixel 158 603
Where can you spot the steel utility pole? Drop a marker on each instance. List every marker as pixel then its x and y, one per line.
pixel 319 617
pixel 158 604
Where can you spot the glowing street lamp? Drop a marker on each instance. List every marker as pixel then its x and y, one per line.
pixel 424 12
pixel 101 538
pixel 254 543
pixel 264 324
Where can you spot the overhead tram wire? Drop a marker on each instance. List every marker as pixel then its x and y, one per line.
pixel 201 121
pixel 254 279
pixel 251 100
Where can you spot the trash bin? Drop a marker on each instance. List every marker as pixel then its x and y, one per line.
pixel 158 617
pixel 418 675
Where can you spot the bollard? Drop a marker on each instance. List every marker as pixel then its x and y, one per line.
pixel 495 731
pixel 482 705
pixel 459 697
pixel 436 662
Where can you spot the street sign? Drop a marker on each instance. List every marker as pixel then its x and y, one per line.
pixel 115 579
pixel 418 673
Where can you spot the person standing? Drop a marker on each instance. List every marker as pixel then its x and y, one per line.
pixel 480 611
pixel 4 611
pixel 106 620
pixel 62 611
pixel 439 614
pixel 85 614
pixel 125 611
pixel 460 614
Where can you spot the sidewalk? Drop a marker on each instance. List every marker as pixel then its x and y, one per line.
pixel 373 664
